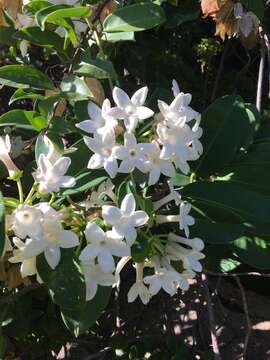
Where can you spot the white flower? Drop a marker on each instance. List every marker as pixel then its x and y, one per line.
pixel 103 246
pixel 162 279
pixel 99 118
pixel 178 145
pixel 97 197
pixel 175 88
pixel 172 196
pixel 94 276
pixel 102 145
pixel 51 176
pixel 189 257
pixel 131 110
pixel 26 221
pixel 28 266
pixel 126 219
pixel 51 238
pixel 5 147
pixel 138 288
pixel 155 165
pixel 131 155
pixel 178 112
pixel 185 220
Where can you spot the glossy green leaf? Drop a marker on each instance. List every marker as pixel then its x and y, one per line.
pixel 118 36
pixel 28 120
pixel 224 133
pixel 6 35
pixel 253 251
pixel 137 17
pixel 21 94
pixel 22 76
pixel 140 249
pixel 216 233
pixel 220 258
pixel 55 13
pixel 75 89
pixel 99 69
pixel 86 181
pixel 2 225
pixel 250 207
pixel 66 282
pixel 80 320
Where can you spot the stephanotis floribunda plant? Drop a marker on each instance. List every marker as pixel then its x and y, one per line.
pixel 118 146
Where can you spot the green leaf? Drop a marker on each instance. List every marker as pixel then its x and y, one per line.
pixel 118 36
pixel 2 225
pixel 186 11
pixel 47 39
pixel 6 35
pixel 41 147
pixel 66 282
pixel 140 249
pixel 216 233
pixel 253 251
pixel 22 76
pixel 137 17
pixel 21 94
pixel 75 89
pixel 35 5
pixel 250 207
pixel 224 133
pixel 86 181
pixel 220 258
pixel 80 320
pixel 79 158
pixel 99 69
pixel 28 120
pixel 55 13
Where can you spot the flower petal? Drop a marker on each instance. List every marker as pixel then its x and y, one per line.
pixel 128 205
pixel 144 112
pixel 111 167
pixel 139 218
pixel 52 255
pixel 106 261
pixel 139 97
pixel 111 214
pixel 67 239
pixel 94 233
pixel 120 97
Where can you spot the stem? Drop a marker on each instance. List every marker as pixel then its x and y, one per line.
pixel 158 204
pixel 163 219
pixel 20 190
pixel 31 193
pixel 52 199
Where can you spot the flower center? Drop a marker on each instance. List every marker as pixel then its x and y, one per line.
pixel 130 109
pixel 132 152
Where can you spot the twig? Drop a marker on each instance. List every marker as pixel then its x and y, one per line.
pixel 220 70
pixel 244 300
pixel 211 317
pixel 260 74
pixel 212 273
pixel 13 297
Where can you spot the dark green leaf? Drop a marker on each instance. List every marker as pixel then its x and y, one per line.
pixel 220 258
pixel 140 249
pixel 86 181
pixel 6 35
pixel 22 76
pixel 75 88
pixel 256 6
pixel 137 17
pixel 28 120
pixel 80 320
pixel 224 133
pixel 99 69
pixel 186 11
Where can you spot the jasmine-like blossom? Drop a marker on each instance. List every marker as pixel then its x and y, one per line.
pixel 184 219
pixel 102 146
pixel 99 118
pixel 27 221
pixel 155 165
pixel 103 246
pixel 131 110
pixel 51 238
pixel 131 155
pixel 125 220
pixel 138 289
pixel 189 254
pixel 5 147
pixel 28 266
pixel 97 198
pixel 51 176
pixel 94 276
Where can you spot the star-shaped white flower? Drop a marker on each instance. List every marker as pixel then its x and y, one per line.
pixel 185 220
pixel 155 165
pixel 103 246
pixel 51 176
pixel 102 146
pixel 99 118
pixel 131 155
pixel 138 289
pixel 94 276
pixel 125 220
pixel 162 279
pixel 26 221
pixel 131 110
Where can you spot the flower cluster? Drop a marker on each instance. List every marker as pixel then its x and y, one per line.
pixel 123 138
